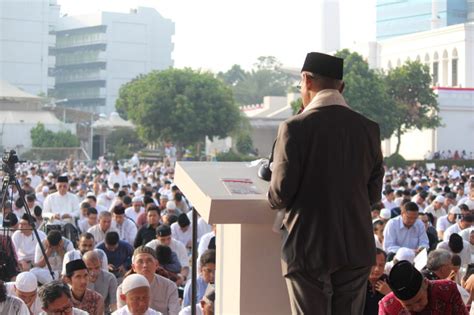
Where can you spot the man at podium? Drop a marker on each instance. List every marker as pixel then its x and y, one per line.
pixel 327 171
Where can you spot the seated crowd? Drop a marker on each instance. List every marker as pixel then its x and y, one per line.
pixel 106 243
pixel 424 238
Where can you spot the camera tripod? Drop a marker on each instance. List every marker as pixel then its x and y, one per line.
pixel 9 160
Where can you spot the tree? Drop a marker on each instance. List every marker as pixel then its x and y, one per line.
pixel 44 138
pixel 265 79
pixel 123 142
pixel 366 92
pixel 179 105
pixel 415 101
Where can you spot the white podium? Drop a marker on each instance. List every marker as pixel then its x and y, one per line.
pixel 248 275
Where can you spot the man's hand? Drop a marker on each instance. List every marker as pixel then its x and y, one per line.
pixel 66 216
pixel 57 216
pixel 25 265
pixel 382 287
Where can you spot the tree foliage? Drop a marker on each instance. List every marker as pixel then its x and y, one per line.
pixel 44 138
pixel 415 102
pixel 180 105
pixel 123 142
pixel 265 79
pixel 366 92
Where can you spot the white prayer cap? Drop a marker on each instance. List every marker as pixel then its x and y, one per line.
pixel 26 282
pixel 404 253
pixel 439 199
pixel 455 210
pixel 134 281
pixel 171 205
pixel 470 204
pixel 136 199
pixel 385 214
pixel 110 194
pixel 50 174
pixel 45 189
pixel 90 193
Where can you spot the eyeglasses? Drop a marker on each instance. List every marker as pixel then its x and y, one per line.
pixel 302 78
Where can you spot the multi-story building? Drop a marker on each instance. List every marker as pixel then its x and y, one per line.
pixel 401 17
pixel 27 43
pixel 97 54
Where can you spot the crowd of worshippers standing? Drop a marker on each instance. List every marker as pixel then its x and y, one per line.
pixel 118 239
pixel 424 234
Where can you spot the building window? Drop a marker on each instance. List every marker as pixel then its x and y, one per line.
pixel 454 72
pixel 435 72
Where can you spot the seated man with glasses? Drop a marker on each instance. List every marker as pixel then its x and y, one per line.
pixel 56 299
pixel 206 276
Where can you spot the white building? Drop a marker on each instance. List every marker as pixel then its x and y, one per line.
pixel 26 43
pixel 19 113
pixel 97 54
pixel 449 53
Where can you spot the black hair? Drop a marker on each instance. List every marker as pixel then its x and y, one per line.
pixel 85 205
pixel 163 254
pixel 410 206
pixel 38 211
pixel 127 200
pixel 92 197
pixel 208 257
pixel 52 291
pixel 379 251
pixel 112 238
pixel 54 237
pixel 92 210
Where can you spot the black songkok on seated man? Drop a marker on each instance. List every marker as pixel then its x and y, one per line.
pixel 325 65
pixel 405 280
pixel 62 179
pixel 163 230
pixel 75 265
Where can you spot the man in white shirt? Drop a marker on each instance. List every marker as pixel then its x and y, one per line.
pixel 85 224
pixel 55 247
pixel 454 173
pixel 135 210
pixel 389 200
pixel 25 242
pixel 41 196
pixel 446 221
pixel 25 288
pixel 35 178
pixel 164 237
pixel 117 176
pixel 205 306
pixel 136 295
pixel 436 208
pixel 182 230
pixel 105 225
pixel 465 223
pixel 456 245
pixel 86 244
pixel 125 227
pixel 61 205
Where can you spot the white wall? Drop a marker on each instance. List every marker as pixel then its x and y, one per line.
pixel 24 41
pixel 19 134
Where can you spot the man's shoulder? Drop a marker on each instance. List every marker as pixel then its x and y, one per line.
pixel 390 302
pixel 164 281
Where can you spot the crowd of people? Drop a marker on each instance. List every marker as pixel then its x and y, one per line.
pixel 111 239
pixel 449 155
pixel 424 234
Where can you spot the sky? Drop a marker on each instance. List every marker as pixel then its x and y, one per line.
pixel 216 34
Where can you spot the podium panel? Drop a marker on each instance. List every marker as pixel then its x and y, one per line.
pixel 248 270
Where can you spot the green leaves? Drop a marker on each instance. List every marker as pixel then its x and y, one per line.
pixel 43 138
pixel 266 79
pixel 181 105
pixel 366 93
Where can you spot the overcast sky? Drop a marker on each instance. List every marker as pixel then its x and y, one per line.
pixel 215 34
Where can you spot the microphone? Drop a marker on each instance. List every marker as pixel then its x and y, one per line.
pixel 264 171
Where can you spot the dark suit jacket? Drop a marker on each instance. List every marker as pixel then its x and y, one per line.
pixel 327 172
